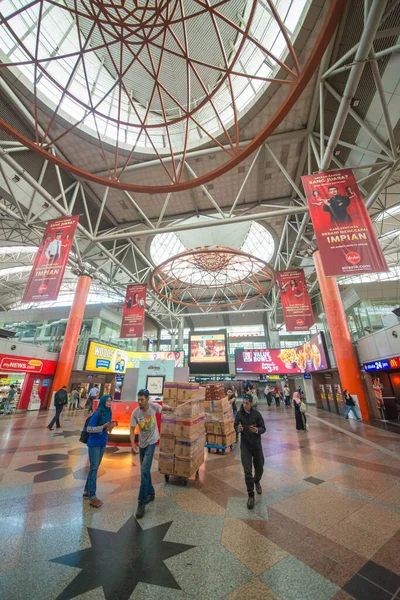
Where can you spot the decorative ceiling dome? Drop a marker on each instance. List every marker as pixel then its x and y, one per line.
pixel 152 77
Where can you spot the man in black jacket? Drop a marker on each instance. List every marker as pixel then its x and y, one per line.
pixel 60 399
pixel 250 424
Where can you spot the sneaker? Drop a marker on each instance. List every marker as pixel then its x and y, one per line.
pixel 250 502
pixel 140 511
pixel 258 487
pixel 95 502
pixel 150 498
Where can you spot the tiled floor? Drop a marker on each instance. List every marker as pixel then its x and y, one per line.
pixel 327 526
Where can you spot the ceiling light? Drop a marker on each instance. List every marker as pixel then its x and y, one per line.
pixel 355 102
pixel 336 152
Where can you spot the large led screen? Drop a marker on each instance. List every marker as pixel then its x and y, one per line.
pixel 310 357
pixel 208 352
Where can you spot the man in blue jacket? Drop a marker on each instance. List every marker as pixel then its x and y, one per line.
pixel 250 424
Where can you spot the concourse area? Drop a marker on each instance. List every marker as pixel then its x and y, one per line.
pixel 200 300
pixel 326 526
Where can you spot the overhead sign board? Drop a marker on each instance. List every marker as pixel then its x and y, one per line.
pixel 108 359
pixel 383 364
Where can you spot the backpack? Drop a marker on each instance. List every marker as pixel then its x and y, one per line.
pixel 84 433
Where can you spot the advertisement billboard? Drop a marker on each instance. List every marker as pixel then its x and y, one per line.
pixel 51 260
pixel 108 359
pixel 208 352
pixel 296 304
pixel 134 311
pixel 344 231
pixel 310 357
pixel 24 364
pixel 383 364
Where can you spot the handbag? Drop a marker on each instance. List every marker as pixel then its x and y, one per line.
pixel 303 407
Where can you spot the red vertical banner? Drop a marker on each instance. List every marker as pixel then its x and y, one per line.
pixel 134 310
pixel 51 260
pixel 344 231
pixel 296 304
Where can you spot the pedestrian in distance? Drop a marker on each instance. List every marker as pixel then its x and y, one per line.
pixel 98 428
pixel 60 400
pixel 93 394
pixel 350 406
pixel 286 393
pixel 232 399
pixel 277 396
pixel 75 399
pixel 299 412
pixel 144 416
pixel 268 395
pixel 250 424
pixel 9 399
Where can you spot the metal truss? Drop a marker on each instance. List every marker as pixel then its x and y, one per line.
pixel 107 249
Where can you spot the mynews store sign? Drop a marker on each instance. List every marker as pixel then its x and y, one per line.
pixel 24 364
pixel 108 359
pixel 383 365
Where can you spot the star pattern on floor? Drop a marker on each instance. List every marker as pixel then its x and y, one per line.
pixel 117 562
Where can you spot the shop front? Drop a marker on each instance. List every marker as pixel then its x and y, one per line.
pixel 383 378
pixel 31 378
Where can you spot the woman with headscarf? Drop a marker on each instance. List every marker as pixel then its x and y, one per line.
pixel 98 428
pixel 301 419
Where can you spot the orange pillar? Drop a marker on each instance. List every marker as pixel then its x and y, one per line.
pixel 71 336
pixel 343 348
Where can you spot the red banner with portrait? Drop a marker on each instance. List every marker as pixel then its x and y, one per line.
pixel 344 231
pixel 134 311
pixel 51 260
pixel 296 304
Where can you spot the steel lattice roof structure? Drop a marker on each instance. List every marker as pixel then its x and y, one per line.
pixel 183 117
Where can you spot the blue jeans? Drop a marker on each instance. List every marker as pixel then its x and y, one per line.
pixel 95 458
pixel 353 410
pixel 146 459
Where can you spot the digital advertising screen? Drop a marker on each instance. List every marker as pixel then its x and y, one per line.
pixel 310 357
pixel 108 359
pixel 208 352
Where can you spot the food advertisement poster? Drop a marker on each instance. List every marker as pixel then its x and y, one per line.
pixel 308 358
pixel 51 260
pixel 338 395
pixel 208 347
pixel 295 300
pixel 346 238
pixel 108 359
pixel 134 311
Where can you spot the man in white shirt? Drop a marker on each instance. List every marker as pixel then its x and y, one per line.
pixel 93 394
pixel 53 250
pixel 145 417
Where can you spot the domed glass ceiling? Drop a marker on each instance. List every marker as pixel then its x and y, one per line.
pixel 149 74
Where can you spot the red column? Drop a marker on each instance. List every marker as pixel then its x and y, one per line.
pixel 71 336
pixel 343 348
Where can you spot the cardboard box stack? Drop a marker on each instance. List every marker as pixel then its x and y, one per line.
pixel 182 432
pixel 220 429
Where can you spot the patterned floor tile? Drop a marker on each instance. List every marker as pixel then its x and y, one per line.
pixel 254 590
pixel 194 501
pixel 293 580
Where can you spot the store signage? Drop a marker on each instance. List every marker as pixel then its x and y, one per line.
pixel 134 311
pixel 23 364
pixel 311 356
pixel 307 375
pixel 346 238
pixel 51 260
pixel 108 359
pixel 295 300
pixel 383 365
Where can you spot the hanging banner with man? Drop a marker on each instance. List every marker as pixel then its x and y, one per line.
pixel 51 260
pixel 134 311
pixel 296 304
pixel 346 238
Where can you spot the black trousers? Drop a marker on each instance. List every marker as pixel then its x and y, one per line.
pixel 250 457
pixel 56 418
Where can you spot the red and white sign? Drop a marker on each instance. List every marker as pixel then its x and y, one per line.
pixel 134 311
pixel 24 364
pixel 295 300
pixel 344 231
pixel 51 260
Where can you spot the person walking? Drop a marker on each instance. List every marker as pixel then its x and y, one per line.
pixel 145 417
pixel 232 399
pixel 350 405
pixel 93 394
pixel 250 424
pixel 60 400
pixel 268 395
pixel 98 428
pixel 299 412
pixel 74 399
pixel 277 396
pixel 286 394
pixel 9 398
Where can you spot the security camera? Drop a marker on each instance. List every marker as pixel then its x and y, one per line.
pixel 395 334
pixel 13 347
